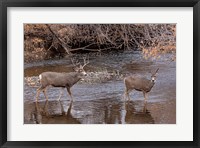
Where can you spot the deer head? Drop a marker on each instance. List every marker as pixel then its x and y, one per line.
pixel 80 68
pixel 153 75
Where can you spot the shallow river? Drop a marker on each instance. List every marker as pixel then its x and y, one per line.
pixel 101 102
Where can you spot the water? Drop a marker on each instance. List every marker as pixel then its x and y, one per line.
pixel 101 102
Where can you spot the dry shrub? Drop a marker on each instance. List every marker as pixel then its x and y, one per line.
pixel 58 39
pixel 159 39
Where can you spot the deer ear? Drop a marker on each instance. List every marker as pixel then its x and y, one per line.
pixel 157 70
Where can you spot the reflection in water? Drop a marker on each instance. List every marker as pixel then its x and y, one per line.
pixel 105 111
pixel 137 117
pixel 49 115
pixel 90 107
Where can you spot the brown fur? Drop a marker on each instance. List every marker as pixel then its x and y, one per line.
pixel 55 79
pixel 140 84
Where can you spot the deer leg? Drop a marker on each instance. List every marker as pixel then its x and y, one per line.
pixel 145 107
pixel 145 96
pixel 38 92
pixel 45 94
pixel 69 92
pixel 61 93
pixel 126 94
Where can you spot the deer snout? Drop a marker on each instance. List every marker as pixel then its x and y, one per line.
pixel 84 73
pixel 153 79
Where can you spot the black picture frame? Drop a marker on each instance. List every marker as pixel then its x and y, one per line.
pixel 99 3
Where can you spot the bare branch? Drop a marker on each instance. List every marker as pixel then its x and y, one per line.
pixel 61 42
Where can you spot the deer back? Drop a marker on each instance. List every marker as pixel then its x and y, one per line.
pixel 139 83
pixel 59 79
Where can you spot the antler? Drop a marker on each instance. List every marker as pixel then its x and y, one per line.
pixel 76 62
pixel 85 61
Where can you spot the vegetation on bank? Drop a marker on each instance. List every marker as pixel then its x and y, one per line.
pixel 46 41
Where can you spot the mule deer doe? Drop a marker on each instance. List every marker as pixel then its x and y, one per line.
pixel 63 80
pixel 140 84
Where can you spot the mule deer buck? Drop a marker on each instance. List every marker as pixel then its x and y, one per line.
pixel 63 80
pixel 140 84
